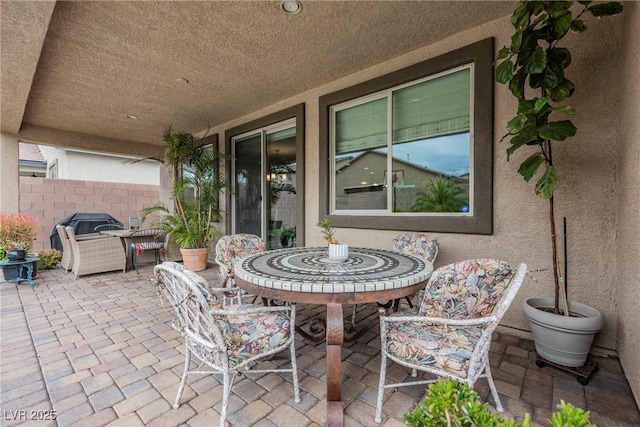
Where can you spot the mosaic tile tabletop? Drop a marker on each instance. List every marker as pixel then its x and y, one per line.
pixel 311 270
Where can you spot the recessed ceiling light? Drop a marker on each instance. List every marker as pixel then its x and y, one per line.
pixel 291 6
pixel 182 81
pixel 132 117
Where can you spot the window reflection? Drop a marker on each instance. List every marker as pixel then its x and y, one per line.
pixel 429 167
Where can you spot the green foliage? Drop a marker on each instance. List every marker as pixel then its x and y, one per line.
pixel 49 258
pixel 535 57
pixel 442 195
pixel 327 231
pixel 451 403
pixel 197 185
pixel 289 232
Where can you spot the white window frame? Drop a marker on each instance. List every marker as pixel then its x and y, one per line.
pixel 388 94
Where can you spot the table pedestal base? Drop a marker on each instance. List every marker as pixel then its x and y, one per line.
pixel 335 336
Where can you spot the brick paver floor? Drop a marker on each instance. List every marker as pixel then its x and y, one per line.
pixel 99 351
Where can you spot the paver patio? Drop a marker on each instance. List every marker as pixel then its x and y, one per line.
pixel 99 351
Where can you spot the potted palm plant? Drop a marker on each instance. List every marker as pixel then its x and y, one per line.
pixel 536 59
pixel 196 189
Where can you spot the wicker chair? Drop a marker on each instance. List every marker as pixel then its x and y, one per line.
pixel 67 251
pixel 96 255
pixel 67 255
pixel 450 334
pixel 226 341
pixel 230 249
pixel 145 241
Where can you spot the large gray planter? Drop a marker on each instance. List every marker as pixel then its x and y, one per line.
pixel 561 339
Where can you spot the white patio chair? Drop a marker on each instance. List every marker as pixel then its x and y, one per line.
pixel 173 294
pixel 231 248
pixel 418 244
pixel 450 334
pixel 228 340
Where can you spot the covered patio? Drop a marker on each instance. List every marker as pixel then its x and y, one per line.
pixel 99 351
pixel 112 77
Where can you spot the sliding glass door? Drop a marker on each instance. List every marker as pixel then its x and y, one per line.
pixel 264 179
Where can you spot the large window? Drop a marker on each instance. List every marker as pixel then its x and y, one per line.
pixel 412 150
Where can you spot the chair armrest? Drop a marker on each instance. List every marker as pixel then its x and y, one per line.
pixel 91 236
pixel 230 289
pixel 437 320
pixel 243 310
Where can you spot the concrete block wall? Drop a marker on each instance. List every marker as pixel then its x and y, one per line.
pixel 51 200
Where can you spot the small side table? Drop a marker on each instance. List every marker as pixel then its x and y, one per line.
pixel 21 266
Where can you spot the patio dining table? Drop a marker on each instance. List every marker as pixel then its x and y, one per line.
pixel 307 275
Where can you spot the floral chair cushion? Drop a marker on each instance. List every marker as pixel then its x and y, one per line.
pixel 463 290
pixel 249 335
pixel 147 246
pixel 417 244
pixel 446 348
pixel 231 248
pixel 466 289
pixel 244 336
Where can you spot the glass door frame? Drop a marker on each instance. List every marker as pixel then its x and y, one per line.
pixel 293 116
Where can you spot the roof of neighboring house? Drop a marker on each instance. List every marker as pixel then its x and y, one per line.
pixel 30 152
pixel 343 165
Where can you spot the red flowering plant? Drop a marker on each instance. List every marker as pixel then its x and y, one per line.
pixel 17 231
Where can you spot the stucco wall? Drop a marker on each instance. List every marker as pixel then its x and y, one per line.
pixel 628 218
pixel 104 168
pixel 8 172
pixel 51 200
pixel 521 232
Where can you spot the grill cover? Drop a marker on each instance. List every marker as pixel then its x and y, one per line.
pixel 82 223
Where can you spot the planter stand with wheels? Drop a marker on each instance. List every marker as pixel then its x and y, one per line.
pixel 561 341
pixel 583 373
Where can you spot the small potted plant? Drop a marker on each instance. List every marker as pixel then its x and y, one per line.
pixel 337 251
pixel 287 236
pixel 17 233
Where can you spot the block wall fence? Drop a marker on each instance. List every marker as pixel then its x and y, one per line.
pixel 51 200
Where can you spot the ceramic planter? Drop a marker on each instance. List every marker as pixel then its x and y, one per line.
pixel 16 254
pixel 561 339
pixel 195 259
pixel 338 251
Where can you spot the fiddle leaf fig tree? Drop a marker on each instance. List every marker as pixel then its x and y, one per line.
pixel 533 67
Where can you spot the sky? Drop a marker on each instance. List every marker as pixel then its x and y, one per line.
pixel 449 154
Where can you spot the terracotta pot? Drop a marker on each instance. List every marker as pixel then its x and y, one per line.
pixel 195 259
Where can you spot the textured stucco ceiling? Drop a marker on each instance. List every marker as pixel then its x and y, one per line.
pixel 78 68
